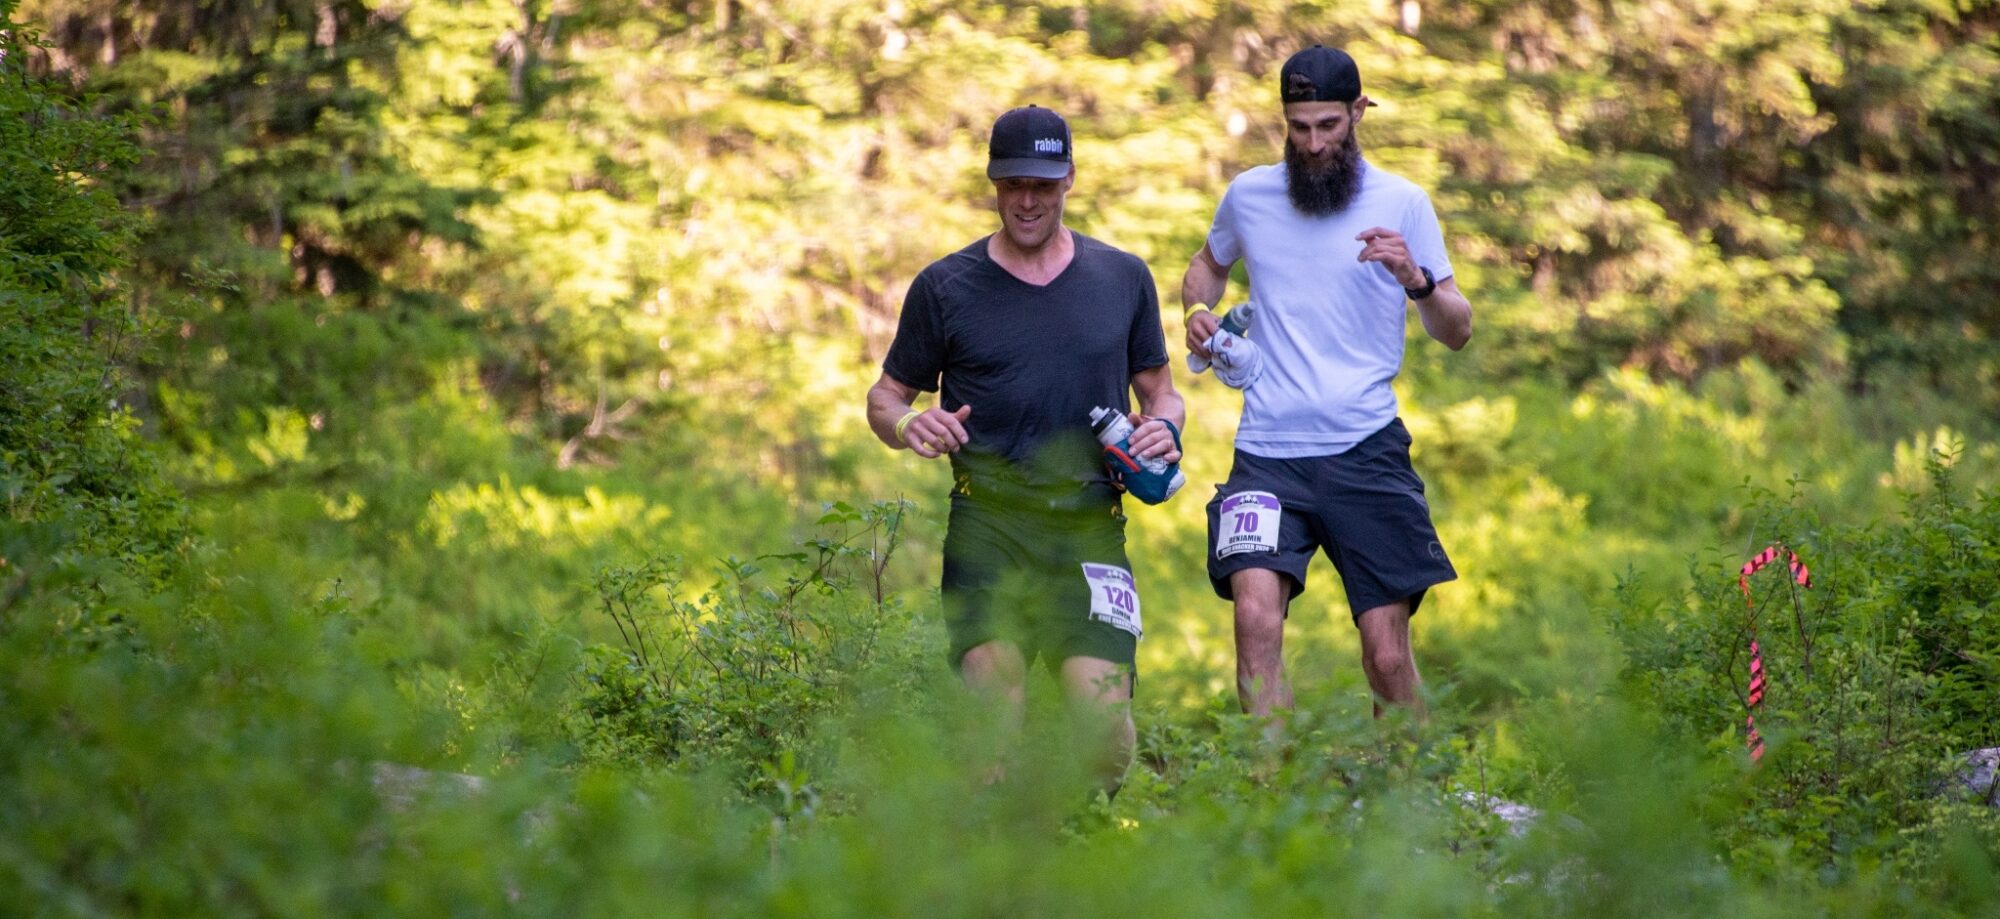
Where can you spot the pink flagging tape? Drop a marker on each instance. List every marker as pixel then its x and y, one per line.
pixel 1755 696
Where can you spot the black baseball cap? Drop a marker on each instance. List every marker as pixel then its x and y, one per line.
pixel 1029 142
pixel 1320 74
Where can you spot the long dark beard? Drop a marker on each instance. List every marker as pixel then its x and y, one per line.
pixel 1321 190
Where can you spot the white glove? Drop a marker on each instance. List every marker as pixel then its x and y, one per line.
pixel 1236 359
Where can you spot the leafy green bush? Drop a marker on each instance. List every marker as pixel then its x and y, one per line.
pixel 742 678
pixel 1880 677
pixel 76 480
pixel 464 329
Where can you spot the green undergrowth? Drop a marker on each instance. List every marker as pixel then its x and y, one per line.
pixel 789 742
pixel 345 461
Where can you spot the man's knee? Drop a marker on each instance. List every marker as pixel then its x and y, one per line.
pixel 1259 624
pixel 996 666
pixel 1093 682
pixel 1391 664
pixel 1260 599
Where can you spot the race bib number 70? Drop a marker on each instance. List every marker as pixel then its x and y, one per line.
pixel 1114 598
pixel 1249 523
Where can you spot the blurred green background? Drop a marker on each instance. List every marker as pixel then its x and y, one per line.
pixel 478 386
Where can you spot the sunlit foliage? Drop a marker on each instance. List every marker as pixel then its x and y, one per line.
pixel 476 386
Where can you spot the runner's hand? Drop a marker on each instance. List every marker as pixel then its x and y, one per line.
pixel 1387 248
pixel 1201 326
pixel 1151 437
pixel 937 432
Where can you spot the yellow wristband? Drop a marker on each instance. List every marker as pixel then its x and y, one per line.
pixel 905 423
pixel 1188 313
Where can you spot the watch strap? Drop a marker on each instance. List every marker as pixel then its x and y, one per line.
pixel 1430 286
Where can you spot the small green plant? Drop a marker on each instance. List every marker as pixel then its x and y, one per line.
pixel 741 677
pixel 1879 678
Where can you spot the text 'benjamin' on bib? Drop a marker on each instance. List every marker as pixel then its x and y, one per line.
pixel 1249 523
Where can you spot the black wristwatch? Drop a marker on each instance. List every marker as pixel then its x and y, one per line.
pixel 1430 286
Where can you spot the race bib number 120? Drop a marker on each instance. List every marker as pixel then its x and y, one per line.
pixel 1249 523
pixel 1114 598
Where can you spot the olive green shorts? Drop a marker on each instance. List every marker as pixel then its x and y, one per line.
pixel 1054 582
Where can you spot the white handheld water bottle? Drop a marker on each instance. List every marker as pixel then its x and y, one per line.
pixel 1236 322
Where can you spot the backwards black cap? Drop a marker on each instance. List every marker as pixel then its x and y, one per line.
pixel 1320 74
pixel 1031 142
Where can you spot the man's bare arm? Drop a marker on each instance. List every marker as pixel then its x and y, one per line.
pixel 933 433
pixel 1157 399
pixel 1201 289
pixel 1447 315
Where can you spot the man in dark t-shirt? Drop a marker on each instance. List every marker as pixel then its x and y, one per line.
pixel 1022 333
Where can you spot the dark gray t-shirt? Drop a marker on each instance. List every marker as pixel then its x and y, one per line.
pixel 1031 361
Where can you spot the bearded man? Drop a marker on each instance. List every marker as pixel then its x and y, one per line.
pixel 1335 249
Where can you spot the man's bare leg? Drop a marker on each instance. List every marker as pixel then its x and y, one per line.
pixel 1100 693
pixel 1386 657
pixel 998 674
pixel 1261 598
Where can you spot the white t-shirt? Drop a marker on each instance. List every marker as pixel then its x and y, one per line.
pixel 1330 327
